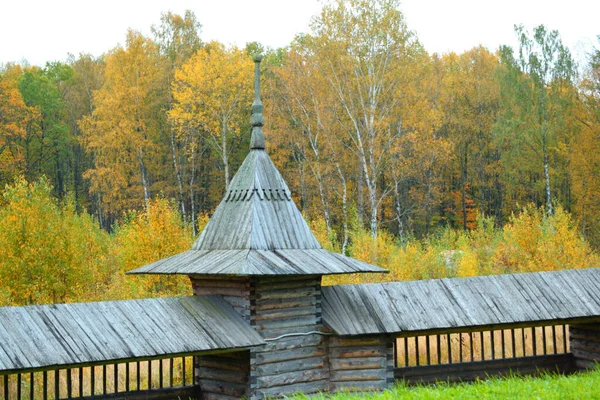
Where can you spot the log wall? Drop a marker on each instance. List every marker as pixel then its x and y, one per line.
pixel 282 308
pixel 235 290
pixel 585 345
pixel 223 376
pixel 361 363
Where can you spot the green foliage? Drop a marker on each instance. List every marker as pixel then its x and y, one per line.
pixel 549 386
pixel 49 253
pixel 48 143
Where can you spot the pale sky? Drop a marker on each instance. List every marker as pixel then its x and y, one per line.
pixel 47 30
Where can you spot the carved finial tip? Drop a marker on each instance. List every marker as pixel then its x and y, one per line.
pixel 258 58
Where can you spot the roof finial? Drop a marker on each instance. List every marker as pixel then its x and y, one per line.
pixel 257 120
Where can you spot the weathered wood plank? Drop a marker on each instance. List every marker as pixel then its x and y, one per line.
pixel 290 322
pixel 288 390
pixel 358 375
pixel 355 352
pixel 357 363
pixel 222 375
pixel 317 362
pixel 289 355
pixel 292 342
pixel 221 387
pixel 345 341
pixel 290 378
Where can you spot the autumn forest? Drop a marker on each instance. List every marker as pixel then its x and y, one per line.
pixel 429 165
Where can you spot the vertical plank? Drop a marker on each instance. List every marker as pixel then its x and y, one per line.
pixel 92 380
pixel 104 379
pixel 482 343
pixel 439 349
pixel 183 369
pixel 80 382
pixel 6 386
pixel 564 331
pixel 449 345
pixel 513 342
pixel 137 376
pixel 127 377
pixel 492 332
pixel 69 384
pixel 427 350
pixel 160 372
pixel 523 338
pixel 19 377
pixel 534 339
pixel 44 385
pixel 31 386
pixel 57 384
pixel 149 374
pixel 471 345
pixel 554 340
pixel 417 350
pixel 116 378
pixel 405 351
pixel 460 347
pixel 171 372
pixel 545 346
pixel 503 343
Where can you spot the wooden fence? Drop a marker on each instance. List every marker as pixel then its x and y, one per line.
pixel 149 379
pixel 466 356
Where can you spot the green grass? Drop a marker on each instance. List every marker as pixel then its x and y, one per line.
pixel 577 386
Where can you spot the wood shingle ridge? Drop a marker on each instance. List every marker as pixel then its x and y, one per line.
pixel 257 228
pixel 455 303
pixel 45 336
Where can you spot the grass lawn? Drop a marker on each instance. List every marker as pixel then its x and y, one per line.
pixel 577 386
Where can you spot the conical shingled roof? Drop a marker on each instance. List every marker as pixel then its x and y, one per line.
pixel 257 229
pixel 257 212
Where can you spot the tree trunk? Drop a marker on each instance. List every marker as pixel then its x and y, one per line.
pixel 179 177
pixel 224 155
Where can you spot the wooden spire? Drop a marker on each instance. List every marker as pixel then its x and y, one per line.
pixel 257 120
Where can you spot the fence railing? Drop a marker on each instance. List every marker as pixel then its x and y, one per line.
pixel 449 348
pixel 477 354
pixel 100 380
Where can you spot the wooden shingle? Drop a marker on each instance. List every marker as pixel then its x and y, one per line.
pixel 455 303
pixel 45 336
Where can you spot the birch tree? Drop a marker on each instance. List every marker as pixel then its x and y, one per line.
pixel 363 48
pixel 533 86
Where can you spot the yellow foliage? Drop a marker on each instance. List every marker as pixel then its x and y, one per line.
pixel 319 229
pixel 536 241
pixel 48 252
pixel 146 237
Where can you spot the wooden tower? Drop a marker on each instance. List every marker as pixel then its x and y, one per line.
pixel 258 253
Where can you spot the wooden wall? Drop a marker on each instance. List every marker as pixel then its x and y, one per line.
pixel 235 290
pixel 223 376
pixel 361 363
pixel 289 364
pixel 585 344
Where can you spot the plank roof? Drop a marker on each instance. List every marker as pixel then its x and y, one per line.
pixel 257 262
pixel 257 228
pixel 453 303
pixel 44 336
